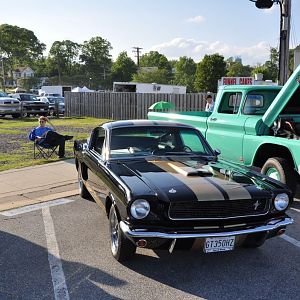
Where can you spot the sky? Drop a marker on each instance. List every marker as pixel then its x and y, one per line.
pixel 175 28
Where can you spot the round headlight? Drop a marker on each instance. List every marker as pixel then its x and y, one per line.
pixel 140 208
pixel 281 201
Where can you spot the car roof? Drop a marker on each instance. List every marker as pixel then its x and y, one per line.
pixel 138 123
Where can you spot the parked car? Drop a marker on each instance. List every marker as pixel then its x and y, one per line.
pixel 9 106
pixel 55 103
pixel 30 105
pixel 162 186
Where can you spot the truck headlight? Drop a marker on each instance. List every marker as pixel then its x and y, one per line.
pixel 281 201
pixel 140 208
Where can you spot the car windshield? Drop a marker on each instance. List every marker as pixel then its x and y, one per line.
pixel 154 140
pixel 2 94
pixel 28 98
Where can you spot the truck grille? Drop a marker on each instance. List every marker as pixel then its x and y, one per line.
pixel 217 209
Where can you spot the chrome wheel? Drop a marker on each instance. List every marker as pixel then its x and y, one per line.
pixel 114 232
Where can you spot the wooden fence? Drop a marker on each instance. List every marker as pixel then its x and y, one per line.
pixel 123 106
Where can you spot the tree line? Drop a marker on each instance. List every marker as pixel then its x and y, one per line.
pixel 91 64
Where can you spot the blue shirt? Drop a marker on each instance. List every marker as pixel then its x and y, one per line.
pixel 38 132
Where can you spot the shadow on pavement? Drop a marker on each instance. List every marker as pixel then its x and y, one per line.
pixel 25 273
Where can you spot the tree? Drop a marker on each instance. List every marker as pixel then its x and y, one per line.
pixel 155 59
pixel 208 72
pixel 97 61
pixel 19 45
pixel 237 69
pixel 157 76
pixel 270 68
pixel 123 68
pixel 62 57
pixel 185 69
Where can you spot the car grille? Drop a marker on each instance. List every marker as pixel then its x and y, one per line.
pixel 217 209
pixel 11 102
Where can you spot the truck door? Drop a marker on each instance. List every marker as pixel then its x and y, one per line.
pixel 225 127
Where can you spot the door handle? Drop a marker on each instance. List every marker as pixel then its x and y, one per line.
pixel 213 119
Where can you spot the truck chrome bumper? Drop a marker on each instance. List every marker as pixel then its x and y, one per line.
pixel 270 227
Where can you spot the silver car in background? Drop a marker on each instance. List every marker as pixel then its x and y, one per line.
pixel 9 106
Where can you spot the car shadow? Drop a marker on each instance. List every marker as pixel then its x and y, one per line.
pixel 25 273
pixel 241 274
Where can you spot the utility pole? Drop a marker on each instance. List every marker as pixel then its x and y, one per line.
pixel 3 74
pixel 137 52
pixel 285 25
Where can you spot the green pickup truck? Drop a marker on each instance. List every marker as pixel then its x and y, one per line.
pixel 253 125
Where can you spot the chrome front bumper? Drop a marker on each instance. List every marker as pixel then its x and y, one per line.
pixel 271 226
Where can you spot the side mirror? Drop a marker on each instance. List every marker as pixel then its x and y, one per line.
pixel 217 152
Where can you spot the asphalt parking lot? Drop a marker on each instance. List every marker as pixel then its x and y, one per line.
pixel 63 252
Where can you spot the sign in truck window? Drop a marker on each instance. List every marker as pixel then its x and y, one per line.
pixel 237 80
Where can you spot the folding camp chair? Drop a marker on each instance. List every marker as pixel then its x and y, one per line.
pixel 43 151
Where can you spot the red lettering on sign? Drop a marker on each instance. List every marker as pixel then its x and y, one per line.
pixel 229 80
pixel 245 80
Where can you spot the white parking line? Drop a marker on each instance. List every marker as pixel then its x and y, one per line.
pixel 290 240
pixel 29 208
pixel 57 273
pixel 295 209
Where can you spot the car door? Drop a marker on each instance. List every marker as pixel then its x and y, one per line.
pixel 97 176
pixel 225 127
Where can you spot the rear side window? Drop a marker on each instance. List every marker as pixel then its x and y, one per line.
pixel 230 103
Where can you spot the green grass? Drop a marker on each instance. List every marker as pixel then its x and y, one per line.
pixel 14 137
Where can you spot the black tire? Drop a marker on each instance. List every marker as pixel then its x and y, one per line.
pixel 285 171
pixel 25 113
pixel 121 247
pixel 83 191
pixel 254 240
pixel 51 112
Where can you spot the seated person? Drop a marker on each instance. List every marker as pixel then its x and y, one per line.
pixel 43 135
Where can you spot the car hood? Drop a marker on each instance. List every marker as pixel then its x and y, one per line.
pixel 282 98
pixel 193 179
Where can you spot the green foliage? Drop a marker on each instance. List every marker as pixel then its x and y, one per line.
pixel 97 60
pixel 123 68
pixel 185 69
pixel 208 72
pixel 270 68
pixel 237 69
pixel 157 76
pixel 19 45
pixel 28 82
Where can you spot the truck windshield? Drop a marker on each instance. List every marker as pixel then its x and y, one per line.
pixel 257 102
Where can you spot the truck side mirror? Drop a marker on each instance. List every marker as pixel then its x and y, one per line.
pixel 217 152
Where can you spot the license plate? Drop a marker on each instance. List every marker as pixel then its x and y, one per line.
pixel 42 109
pixel 219 244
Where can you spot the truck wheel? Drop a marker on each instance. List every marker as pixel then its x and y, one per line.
pixel 83 192
pixel 280 169
pixel 25 113
pixel 51 112
pixel 254 240
pixel 121 247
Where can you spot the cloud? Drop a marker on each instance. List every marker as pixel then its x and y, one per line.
pixel 196 19
pixel 250 54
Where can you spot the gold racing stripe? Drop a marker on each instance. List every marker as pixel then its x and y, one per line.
pixel 234 189
pixel 203 189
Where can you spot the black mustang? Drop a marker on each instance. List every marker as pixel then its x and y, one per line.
pixel 162 186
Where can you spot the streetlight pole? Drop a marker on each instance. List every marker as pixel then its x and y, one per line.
pixel 285 24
